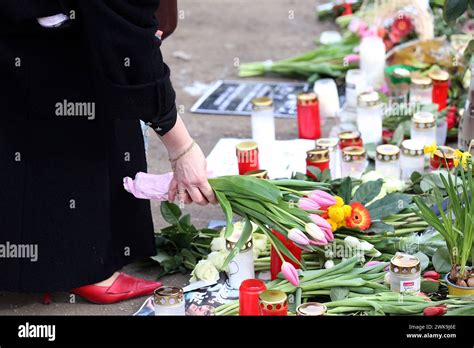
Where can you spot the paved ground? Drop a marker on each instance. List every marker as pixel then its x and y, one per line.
pixel 212 33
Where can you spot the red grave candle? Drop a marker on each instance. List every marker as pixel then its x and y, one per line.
pixel 273 303
pixel 441 159
pixel 249 291
pixel 440 88
pixel 350 138
pixel 247 157
pixel 275 261
pixel 318 158
pixel 309 121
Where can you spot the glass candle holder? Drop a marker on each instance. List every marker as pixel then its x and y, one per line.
pixel 440 91
pixel 420 89
pixel 260 173
pixel 372 60
pixel 405 274
pixel 309 123
pixel 273 303
pixel 354 162
pixel 443 158
pixel 400 86
pixel 326 90
pixel 275 260
pixel 331 144
pixel 263 121
pixel 423 127
pixel 249 291
pixel 311 309
pixel 349 138
pixel 169 301
pixel 441 131
pixel 318 158
pixel 387 160
pixel 247 156
pixel 356 83
pixel 370 117
pixel 242 265
pixel 412 158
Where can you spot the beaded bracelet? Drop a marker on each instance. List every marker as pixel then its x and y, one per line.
pixel 188 149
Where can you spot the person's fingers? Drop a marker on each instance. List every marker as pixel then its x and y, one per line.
pixel 197 196
pixel 173 190
pixel 208 193
pixel 182 195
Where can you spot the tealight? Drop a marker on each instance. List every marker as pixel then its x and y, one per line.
pixel 412 158
pixel 423 127
pixel 354 162
pixel 169 301
pixel 420 89
pixel 370 117
pixel 387 160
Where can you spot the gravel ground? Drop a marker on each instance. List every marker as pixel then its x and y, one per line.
pixel 210 35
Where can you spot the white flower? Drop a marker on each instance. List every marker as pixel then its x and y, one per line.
pixel 259 242
pixel 218 244
pixel 217 258
pixel 373 253
pixel 205 271
pixel 371 176
pixel 329 264
pixel 393 185
pixel 365 246
pixel 352 242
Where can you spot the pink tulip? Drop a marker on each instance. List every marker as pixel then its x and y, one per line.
pixel 324 199
pixel 290 273
pixel 372 263
pixel 297 236
pixel 351 58
pixel 323 225
pixel 308 204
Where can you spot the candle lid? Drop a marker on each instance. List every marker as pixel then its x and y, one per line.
pixel 445 152
pixel 401 75
pixel 439 75
pixel 307 98
pixel 259 173
pixel 273 299
pixel 317 155
pixel 313 309
pixel 260 103
pixel 386 153
pixel 327 143
pixel 423 120
pixel 168 296
pixel 405 264
pixel 353 153
pixel 232 240
pixel 368 99
pixel 349 135
pixel 420 80
pixel 412 148
pixel 247 146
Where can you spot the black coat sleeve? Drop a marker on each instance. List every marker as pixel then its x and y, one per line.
pixel 23 10
pixel 127 55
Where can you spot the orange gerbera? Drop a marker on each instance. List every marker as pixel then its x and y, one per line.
pixel 360 217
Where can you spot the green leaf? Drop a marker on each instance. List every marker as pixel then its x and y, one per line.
pixel 226 207
pixel 453 9
pixel 188 255
pixel 391 204
pixel 325 176
pixel 416 177
pixel 160 256
pixel 185 220
pixel 378 227
pixel 398 135
pixel 429 287
pixel 244 237
pixel 247 185
pixel 339 293
pixel 315 171
pixel 345 189
pixel 170 212
pixel 442 261
pixel 368 191
pixel 424 260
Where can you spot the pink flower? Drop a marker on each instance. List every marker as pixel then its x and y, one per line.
pixel 316 233
pixel 351 58
pixel 357 24
pixel 324 199
pixel 468 27
pixel 308 204
pixel 384 89
pixel 149 186
pixel 372 263
pixel 290 273
pixel 297 236
pixel 323 225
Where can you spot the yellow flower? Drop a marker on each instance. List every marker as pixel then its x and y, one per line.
pixel 341 224
pixel 333 224
pixel 336 213
pixel 464 158
pixel 456 162
pixel 347 210
pixel 339 201
pixel 457 157
pixel 430 149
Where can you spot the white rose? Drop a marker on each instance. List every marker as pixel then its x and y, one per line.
pixel 205 271
pixel 374 253
pixel 259 242
pixel 217 258
pixel 371 176
pixel 352 242
pixel 329 264
pixel 218 244
pixel 393 185
pixel 365 246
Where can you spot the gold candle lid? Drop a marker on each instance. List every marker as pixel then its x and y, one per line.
pixel 247 146
pixel 368 99
pixel 405 264
pixel 259 173
pixel 401 73
pixel 420 81
pixel 353 153
pixel 232 240
pixel 412 148
pixel 307 98
pixel 424 120
pixel 168 296
pixel 311 309
pixel 273 300
pixel 262 103
pixel 327 143
pixel 349 135
pixel 317 155
pixel 447 152
pixel 439 75
pixel 387 153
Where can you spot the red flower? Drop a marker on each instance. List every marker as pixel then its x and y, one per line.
pixel 402 26
pixel 431 275
pixel 388 44
pixel 434 311
pixel 360 217
pixel 387 135
pixel 394 37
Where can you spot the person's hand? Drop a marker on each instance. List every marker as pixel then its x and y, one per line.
pixel 190 179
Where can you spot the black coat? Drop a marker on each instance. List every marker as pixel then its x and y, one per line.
pixel 61 168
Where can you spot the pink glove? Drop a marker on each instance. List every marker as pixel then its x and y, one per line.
pixel 149 186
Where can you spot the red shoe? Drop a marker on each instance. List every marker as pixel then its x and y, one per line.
pixel 123 288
